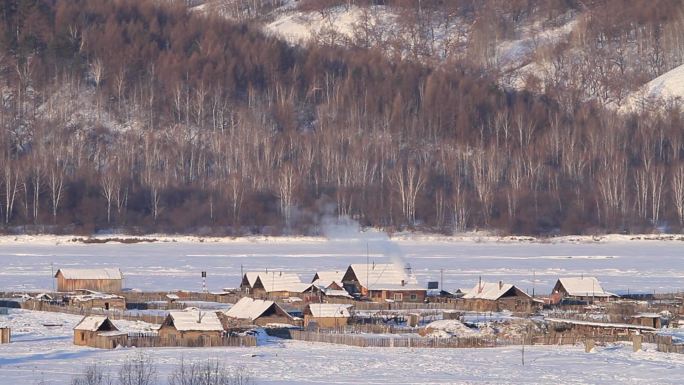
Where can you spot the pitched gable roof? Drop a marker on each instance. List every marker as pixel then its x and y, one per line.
pixel 277 281
pixel 329 310
pixel 104 273
pixel 95 323
pixel 493 291
pixel 583 287
pixel 192 319
pixel 326 278
pixel 251 309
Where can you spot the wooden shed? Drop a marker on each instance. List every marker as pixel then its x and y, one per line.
pixel 326 315
pixel 248 311
pixel 106 280
pixel 191 327
pixel 5 335
pixel 87 331
pixel 653 320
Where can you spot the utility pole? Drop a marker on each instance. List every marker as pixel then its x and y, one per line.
pixel 441 279
pixel 52 275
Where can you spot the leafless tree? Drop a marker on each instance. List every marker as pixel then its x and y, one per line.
pixel 138 369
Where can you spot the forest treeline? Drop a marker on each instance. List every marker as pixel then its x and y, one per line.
pixel 140 115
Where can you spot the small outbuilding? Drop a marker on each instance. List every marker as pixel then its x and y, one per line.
pixel 106 280
pixel 326 315
pixel 98 332
pixel 5 335
pixel 191 327
pixel 653 320
pixel 248 311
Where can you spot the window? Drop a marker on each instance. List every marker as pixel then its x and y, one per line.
pixel 414 297
pixel 398 297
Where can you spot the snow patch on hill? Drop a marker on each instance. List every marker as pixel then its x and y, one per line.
pixel 667 88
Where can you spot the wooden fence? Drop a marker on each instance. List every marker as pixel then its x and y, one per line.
pixel 112 314
pixel 666 344
pixel 145 340
pixel 369 340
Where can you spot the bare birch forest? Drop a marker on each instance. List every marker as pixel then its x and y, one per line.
pixel 142 116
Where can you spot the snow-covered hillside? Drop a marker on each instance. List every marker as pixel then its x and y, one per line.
pixel 666 88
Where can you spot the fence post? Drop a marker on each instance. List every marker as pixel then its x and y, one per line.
pixel 636 342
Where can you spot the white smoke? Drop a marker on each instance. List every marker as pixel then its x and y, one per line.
pixel 373 241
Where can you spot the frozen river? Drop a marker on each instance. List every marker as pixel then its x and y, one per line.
pixel 637 266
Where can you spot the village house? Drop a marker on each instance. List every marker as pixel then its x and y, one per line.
pixel 493 296
pixel 275 285
pixel 382 282
pixel 191 327
pixel 88 299
pixel 328 280
pixel 98 332
pixel 326 315
pixel 579 289
pixel 106 280
pixel 248 311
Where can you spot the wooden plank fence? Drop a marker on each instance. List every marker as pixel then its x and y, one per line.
pixel 146 340
pixel 370 340
pixel 112 314
pixel 666 344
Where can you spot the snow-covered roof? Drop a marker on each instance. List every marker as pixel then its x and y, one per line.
pixel 91 323
pixel 250 309
pixel 329 310
pixel 336 293
pixel 192 319
pixel 384 277
pixel 93 295
pixel 104 273
pixel 326 278
pixel 278 281
pixel 583 287
pixel 491 291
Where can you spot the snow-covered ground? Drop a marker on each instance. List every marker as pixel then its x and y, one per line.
pixel 46 354
pixel 620 264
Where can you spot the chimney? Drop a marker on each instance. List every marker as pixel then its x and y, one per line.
pixel 479 285
pixel 199 316
pixel 500 285
pixel 403 283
